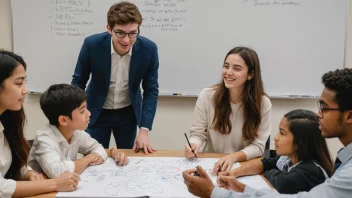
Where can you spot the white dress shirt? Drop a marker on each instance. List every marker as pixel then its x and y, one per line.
pixel 118 94
pixel 7 186
pixel 53 155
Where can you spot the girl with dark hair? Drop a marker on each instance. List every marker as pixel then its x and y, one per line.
pixel 304 163
pixel 233 116
pixel 14 148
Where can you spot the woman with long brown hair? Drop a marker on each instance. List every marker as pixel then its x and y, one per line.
pixel 16 178
pixel 233 116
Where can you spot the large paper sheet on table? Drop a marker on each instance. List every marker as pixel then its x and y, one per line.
pixel 145 176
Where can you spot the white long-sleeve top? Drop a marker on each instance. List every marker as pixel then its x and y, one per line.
pixel 209 140
pixel 7 186
pixel 53 155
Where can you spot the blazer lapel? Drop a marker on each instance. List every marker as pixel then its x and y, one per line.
pixel 106 59
pixel 135 59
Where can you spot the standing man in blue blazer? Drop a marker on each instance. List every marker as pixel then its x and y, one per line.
pixel 118 61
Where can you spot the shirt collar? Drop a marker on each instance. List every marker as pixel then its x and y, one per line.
pixel 284 163
pixel 345 153
pixel 60 138
pixel 114 52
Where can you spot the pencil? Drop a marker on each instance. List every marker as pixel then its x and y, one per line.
pixel 190 146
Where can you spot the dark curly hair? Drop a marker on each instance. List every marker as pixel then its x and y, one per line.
pixel 340 81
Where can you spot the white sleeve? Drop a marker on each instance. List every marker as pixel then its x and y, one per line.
pixel 46 152
pixel 248 193
pixel 199 129
pixel 24 171
pixel 7 187
pixel 88 145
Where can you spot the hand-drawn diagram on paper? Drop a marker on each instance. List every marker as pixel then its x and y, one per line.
pixel 143 176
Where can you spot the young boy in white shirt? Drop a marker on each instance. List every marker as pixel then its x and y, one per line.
pixel 55 146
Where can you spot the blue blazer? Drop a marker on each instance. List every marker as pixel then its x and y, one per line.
pixel 95 59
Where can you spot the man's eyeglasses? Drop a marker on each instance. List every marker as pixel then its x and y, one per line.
pixel 120 34
pixel 322 109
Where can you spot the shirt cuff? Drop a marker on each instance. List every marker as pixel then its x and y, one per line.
pixel 219 192
pixel 258 192
pixel 8 187
pixel 70 168
pixel 196 141
pixel 145 128
pixel 251 152
pixel 24 171
pixel 101 151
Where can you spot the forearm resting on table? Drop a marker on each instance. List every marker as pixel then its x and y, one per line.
pixel 239 156
pixel 81 164
pixel 251 167
pixel 26 188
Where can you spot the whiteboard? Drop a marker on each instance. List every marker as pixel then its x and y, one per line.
pixel 296 40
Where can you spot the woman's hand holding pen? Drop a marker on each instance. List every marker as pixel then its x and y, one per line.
pixel 188 151
pixel 224 164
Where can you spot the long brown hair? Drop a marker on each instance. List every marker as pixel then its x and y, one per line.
pixel 252 98
pixel 311 145
pixel 13 121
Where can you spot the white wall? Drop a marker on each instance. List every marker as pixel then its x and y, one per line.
pixel 174 114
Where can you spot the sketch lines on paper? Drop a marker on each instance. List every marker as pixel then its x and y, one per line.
pixel 143 176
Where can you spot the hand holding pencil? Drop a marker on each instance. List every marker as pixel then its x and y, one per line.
pixel 191 150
